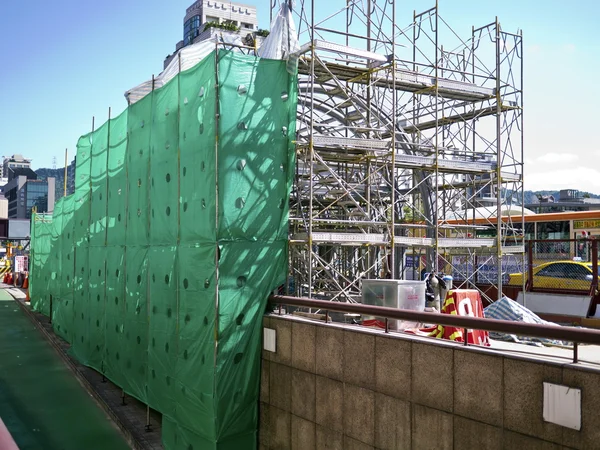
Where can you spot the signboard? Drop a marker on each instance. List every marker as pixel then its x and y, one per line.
pixel 18 229
pixel 579 224
pixel 412 261
pixel 21 263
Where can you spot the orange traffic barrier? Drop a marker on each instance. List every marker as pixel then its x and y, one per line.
pixel 5 279
pixel 26 281
pixel 10 278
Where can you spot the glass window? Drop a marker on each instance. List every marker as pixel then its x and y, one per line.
pixel 530 231
pixel 553 230
pixel 36 194
pixel 558 270
pixel 191 29
pixel 579 272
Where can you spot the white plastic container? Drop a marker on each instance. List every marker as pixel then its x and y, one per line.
pixel 400 294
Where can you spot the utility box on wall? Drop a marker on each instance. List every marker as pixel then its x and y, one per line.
pixel 562 405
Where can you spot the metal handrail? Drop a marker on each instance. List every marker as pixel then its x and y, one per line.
pixel 569 334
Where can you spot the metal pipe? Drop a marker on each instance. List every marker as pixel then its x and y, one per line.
pixel 569 334
pixel 436 211
pixel 594 266
pixel 522 165
pixel 499 224
pixel 358 36
pixel 311 148
pixel 393 199
pixel 148 427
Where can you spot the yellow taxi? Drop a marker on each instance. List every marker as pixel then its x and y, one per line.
pixel 571 275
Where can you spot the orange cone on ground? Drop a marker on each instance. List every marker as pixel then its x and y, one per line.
pixel 26 281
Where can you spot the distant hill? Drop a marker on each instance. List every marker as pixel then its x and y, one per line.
pixel 59 175
pixel 532 196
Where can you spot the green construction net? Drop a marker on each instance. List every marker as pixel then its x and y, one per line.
pixel 157 269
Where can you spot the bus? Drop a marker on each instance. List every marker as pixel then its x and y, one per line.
pixel 553 236
pixel 551 226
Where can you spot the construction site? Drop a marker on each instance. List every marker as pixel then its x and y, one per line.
pixel 260 191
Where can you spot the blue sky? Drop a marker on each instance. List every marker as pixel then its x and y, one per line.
pixel 65 61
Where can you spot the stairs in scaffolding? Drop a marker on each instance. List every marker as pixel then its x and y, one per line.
pixel 404 80
pixel 358 68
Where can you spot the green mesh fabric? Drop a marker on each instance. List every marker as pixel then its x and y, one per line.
pixel 158 267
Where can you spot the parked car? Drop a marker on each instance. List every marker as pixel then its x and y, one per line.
pixel 571 275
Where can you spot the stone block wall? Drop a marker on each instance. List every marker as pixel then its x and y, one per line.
pixel 336 387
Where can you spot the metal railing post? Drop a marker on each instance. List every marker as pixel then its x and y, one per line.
pixel 529 283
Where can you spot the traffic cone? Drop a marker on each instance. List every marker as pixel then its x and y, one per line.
pixel 26 281
pixel 27 299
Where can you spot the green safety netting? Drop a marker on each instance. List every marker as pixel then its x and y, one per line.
pixel 157 269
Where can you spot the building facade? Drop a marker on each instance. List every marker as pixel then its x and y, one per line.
pixel 14 162
pixel 24 192
pixel 205 11
pixel 567 200
pixel 202 12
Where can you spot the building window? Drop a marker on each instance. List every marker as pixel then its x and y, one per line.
pixel 248 26
pixel 191 29
pixel 553 230
pixel 37 195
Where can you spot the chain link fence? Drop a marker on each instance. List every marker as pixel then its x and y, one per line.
pixel 560 265
pixel 569 265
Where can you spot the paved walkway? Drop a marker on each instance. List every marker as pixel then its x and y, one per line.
pixel 41 402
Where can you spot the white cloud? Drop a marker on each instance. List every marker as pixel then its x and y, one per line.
pixel 581 178
pixel 557 158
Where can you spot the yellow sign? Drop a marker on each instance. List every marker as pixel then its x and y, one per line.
pixel 579 224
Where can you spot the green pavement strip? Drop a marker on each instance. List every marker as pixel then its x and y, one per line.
pixel 41 402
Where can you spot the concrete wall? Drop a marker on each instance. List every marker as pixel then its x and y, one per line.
pixel 3 208
pixel 335 387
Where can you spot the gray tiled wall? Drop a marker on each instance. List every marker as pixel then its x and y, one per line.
pixel 334 387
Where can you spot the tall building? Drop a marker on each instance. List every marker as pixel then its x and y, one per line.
pixel 14 161
pixel 25 190
pixel 202 12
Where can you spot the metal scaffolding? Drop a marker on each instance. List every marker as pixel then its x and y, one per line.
pixel 409 151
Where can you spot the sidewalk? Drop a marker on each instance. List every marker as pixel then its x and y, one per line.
pixel 41 402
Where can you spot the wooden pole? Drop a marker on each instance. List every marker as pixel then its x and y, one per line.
pixel 66 158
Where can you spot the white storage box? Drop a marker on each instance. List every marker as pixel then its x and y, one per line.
pixel 401 294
